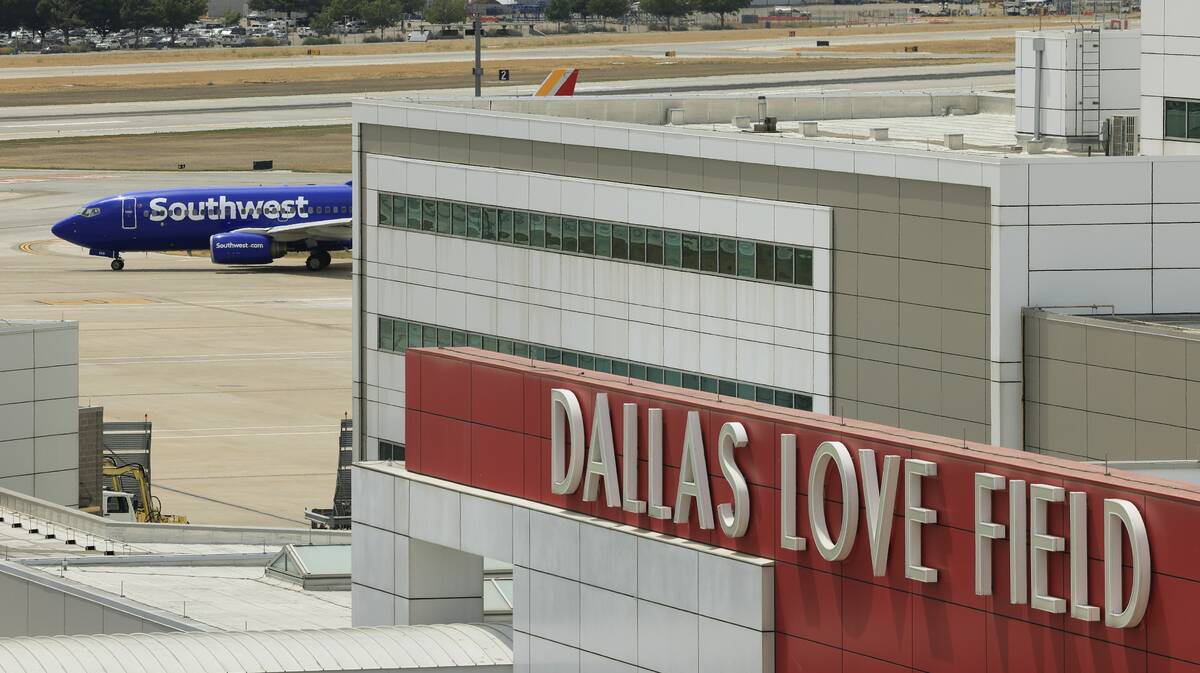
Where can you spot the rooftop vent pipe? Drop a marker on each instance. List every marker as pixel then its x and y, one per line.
pixel 762 108
pixel 1039 50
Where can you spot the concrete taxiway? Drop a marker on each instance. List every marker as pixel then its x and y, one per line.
pixel 60 121
pixel 244 371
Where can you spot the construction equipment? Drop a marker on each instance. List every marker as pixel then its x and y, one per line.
pixel 141 506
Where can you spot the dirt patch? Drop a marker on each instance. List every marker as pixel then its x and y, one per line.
pixel 323 149
pixel 1005 46
pixel 399 77
pixel 589 39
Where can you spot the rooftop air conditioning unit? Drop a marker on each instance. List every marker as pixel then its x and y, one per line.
pixel 1123 140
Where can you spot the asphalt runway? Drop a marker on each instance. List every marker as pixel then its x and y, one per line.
pixel 325 109
pixel 245 371
pixel 700 49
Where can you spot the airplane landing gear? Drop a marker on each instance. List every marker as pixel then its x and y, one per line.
pixel 317 260
pixel 117 264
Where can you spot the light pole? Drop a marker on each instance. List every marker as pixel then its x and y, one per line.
pixel 478 27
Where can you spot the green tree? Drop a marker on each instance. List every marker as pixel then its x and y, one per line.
pixel 719 7
pixel 231 18
pixel 409 8
pixel 608 9
pixel 173 15
pixel 381 14
pixel 102 15
pixel 559 11
pixel 666 9
pixel 445 12
pixel 16 14
pixel 137 15
pixel 338 10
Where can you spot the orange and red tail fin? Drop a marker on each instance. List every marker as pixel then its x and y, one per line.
pixel 560 82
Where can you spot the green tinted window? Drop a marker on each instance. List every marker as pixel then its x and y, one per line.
pixel 637 371
pixel 603 365
pixel 1176 119
pixel 689 257
pixel 553 232
pixel 764 261
pixel 570 234
pixel 443 217
pixel 728 388
pixel 620 241
pixel 429 336
pixel 385 334
pixel 745 391
pixel 458 220
pixel 445 338
pixel 654 246
pixel 672 377
pixel 673 248
pixel 385 210
pixel 804 272
pixel 783 264
pixel 415 338
pixel 654 375
pixel 491 343
pixel 783 398
pixel 429 215
pixel 1193 108
pixel 521 228
pixel 521 349
pixel 458 339
pixel 587 237
pixel 708 254
pixel 537 230
pixel 399 336
pixel 637 244
pixel 727 263
pixel 570 358
pixel 603 239
pixel 474 222
pixel 708 384
pixel 506 346
pixel 506 226
pixel 475 340
pixel 491 218
pixel 690 381
pixel 620 368
pixel 414 213
pixel 745 263
pixel 553 355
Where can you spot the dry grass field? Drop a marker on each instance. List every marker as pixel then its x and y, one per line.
pixel 588 39
pixel 310 148
pixel 82 88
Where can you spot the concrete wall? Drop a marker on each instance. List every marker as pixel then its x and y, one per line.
pixel 39 604
pixel 104 529
pixel 910 261
pixel 589 595
pixel 39 409
pixel 1170 60
pixel 1111 389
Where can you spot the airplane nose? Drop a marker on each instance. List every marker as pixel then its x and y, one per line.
pixel 64 229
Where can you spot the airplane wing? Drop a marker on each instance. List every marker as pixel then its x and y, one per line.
pixel 339 229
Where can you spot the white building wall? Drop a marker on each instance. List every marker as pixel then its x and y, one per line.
pixel 589 595
pixel 1170 61
pixel 762 333
pixel 1063 100
pixel 39 410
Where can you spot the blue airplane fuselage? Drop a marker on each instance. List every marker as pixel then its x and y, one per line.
pixel 185 219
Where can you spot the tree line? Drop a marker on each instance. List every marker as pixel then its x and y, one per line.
pixel 103 16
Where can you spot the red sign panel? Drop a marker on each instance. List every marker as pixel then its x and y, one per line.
pixel 484 420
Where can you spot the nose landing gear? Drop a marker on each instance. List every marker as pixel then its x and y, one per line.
pixel 318 260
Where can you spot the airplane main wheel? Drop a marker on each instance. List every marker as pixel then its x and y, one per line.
pixel 319 259
pixel 118 264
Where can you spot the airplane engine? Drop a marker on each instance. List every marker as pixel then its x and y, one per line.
pixel 239 248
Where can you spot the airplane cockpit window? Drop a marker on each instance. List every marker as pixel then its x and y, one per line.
pixel 88 212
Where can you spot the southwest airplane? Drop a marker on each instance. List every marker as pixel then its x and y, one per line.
pixel 238 225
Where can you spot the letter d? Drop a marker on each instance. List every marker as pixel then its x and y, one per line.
pixel 565 414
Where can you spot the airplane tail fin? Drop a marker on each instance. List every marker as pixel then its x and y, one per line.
pixel 560 82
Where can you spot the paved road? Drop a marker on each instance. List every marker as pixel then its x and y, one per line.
pixel 728 49
pixel 325 109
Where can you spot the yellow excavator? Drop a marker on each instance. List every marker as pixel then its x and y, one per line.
pixel 121 506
